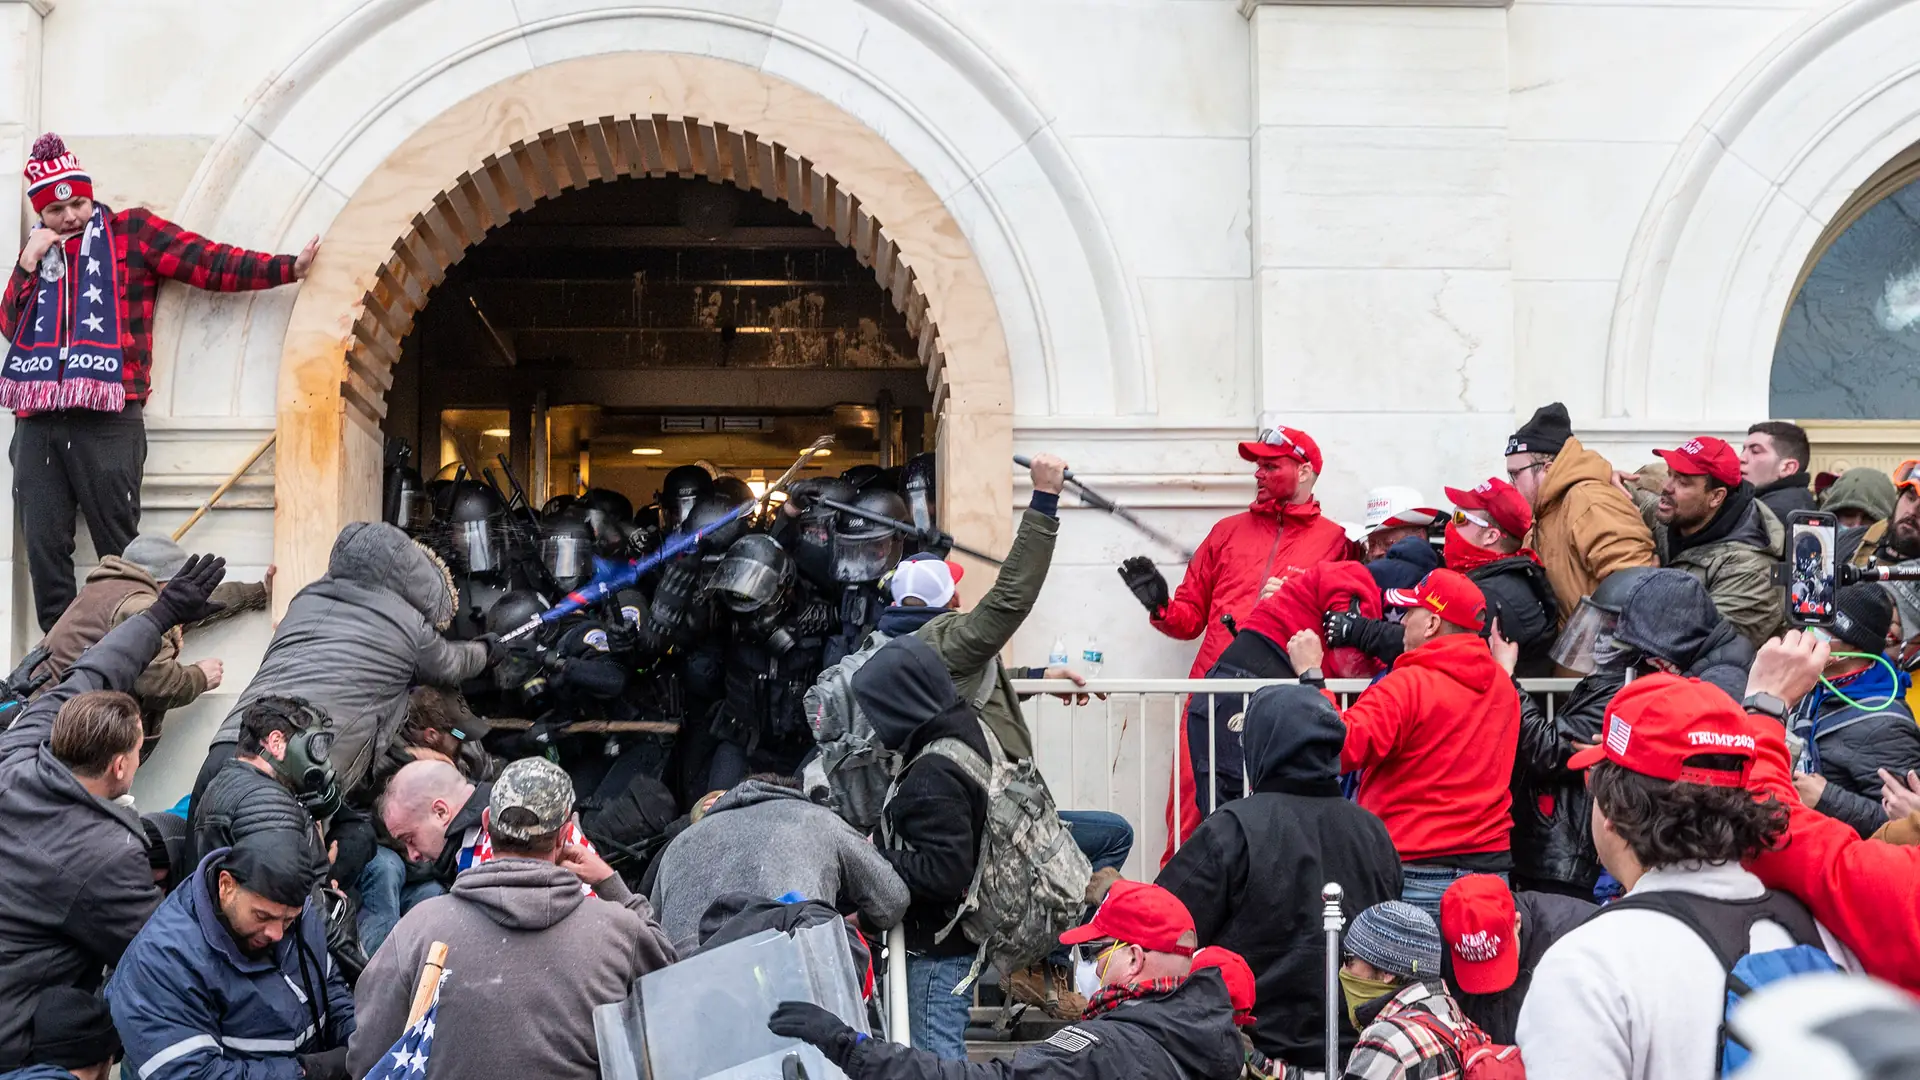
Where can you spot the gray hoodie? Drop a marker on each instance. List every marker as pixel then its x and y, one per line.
pixel 356 641
pixel 767 840
pixel 529 956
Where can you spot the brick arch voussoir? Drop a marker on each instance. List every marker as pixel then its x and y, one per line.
pixel 584 152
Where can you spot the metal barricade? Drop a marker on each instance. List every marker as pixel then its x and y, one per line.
pixel 1135 728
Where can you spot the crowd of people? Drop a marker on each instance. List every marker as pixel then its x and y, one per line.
pixel 472 731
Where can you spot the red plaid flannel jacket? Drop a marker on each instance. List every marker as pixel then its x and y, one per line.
pixel 149 248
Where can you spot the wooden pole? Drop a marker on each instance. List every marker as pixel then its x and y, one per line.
pixel 265 445
pixel 429 982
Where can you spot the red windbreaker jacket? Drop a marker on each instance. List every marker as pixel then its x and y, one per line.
pixel 1437 737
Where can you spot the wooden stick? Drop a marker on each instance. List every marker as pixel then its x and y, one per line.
pixel 429 982
pixel 265 445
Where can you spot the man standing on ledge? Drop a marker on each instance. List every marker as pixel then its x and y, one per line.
pixel 1244 558
pixel 78 318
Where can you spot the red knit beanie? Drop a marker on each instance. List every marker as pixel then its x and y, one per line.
pixel 54 174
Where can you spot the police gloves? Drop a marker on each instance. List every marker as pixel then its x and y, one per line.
pixel 184 598
pixel 1148 586
pixel 810 1023
pixel 328 1065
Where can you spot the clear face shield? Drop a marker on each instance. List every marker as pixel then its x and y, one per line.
pixel 567 558
pixel 477 545
pixel 414 513
pixel 864 558
pixel 1587 643
pixel 745 586
pixel 674 510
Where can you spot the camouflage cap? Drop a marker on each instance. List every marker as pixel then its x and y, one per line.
pixel 531 800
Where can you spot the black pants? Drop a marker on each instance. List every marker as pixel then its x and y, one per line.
pixel 75 460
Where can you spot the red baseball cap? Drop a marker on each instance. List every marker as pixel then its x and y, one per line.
pixel 1279 442
pixel 1476 919
pixel 1704 456
pixel 1657 722
pixel 1448 594
pixel 1138 914
pixel 1500 501
pixel 1239 978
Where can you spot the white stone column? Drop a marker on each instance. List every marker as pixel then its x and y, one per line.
pixel 1380 210
pixel 19 118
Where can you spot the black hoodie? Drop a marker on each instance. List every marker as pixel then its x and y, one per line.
pixel 1252 873
pixel 1187 1032
pixel 937 814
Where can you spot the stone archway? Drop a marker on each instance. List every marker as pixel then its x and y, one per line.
pixel 533 136
pixel 1744 205
pixel 565 159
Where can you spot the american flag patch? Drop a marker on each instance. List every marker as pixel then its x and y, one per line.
pixel 1072 1040
pixel 1618 732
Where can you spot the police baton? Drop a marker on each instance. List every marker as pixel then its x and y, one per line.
pixel 1101 502
pixel 931 538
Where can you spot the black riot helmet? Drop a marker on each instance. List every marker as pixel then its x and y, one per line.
pixel 754 575
pixel 917 485
pixel 475 517
pixel 557 504
pixel 863 477
pixel 684 486
pixel 514 610
pixel 707 511
pixel 611 515
pixel 864 549
pixel 811 540
pixel 567 548
pixel 733 489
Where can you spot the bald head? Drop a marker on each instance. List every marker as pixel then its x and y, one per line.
pixel 419 803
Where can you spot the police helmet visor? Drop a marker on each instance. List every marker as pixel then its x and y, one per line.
pixel 476 546
pixel 567 558
pixel 745 585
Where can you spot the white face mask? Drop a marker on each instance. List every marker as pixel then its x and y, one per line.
pixel 1086 978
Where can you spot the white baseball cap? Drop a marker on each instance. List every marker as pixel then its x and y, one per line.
pixel 1396 507
pixel 928 580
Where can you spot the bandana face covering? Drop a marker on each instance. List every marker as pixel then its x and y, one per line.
pixel 1359 992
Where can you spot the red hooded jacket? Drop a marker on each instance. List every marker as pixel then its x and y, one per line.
pixel 1235 559
pixel 1437 737
pixel 1862 890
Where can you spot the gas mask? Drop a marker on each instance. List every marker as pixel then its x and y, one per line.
pixel 307 769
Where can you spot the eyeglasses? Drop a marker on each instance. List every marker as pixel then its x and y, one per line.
pixel 1462 518
pixel 1515 474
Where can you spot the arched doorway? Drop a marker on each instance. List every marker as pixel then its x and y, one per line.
pixel 471 169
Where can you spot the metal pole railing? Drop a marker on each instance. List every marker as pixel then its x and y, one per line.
pixel 899 1022
pixel 1331 920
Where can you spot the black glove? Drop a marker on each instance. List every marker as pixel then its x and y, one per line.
pixel 810 1023
pixel 329 1065
pixel 1378 638
pixel 183 599
pixel 497 650
pixel 343 934
pixel 1148 586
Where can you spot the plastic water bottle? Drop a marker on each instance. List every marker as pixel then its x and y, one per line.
pixel 1059 657
pixel 1091 658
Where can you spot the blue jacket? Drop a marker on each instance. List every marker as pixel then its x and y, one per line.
pixel 38 1072
pixel 189 1005
pixel 1849 745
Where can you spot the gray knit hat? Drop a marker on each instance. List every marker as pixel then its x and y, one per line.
pixel 157 555
pixel 1398 938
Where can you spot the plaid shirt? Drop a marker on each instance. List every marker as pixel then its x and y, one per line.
pixel 1401 1049
pixel 150 248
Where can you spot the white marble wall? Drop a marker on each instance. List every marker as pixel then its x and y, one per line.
pixel 1396 227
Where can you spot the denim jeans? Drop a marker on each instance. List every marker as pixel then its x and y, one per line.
pixel 1105 839
pixel 1423 885
pixel 938 1016
pixel 385 896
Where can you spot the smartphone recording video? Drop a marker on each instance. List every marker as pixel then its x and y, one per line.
pixel 1812 537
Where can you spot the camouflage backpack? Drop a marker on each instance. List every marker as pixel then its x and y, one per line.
pixel 1030 882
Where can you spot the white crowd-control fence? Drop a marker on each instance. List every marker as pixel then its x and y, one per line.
pixel 1118 752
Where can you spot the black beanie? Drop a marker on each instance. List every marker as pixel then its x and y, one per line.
pixel 1544 433
pixel 72 1029
pixel 279 864
pixel 1862 616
